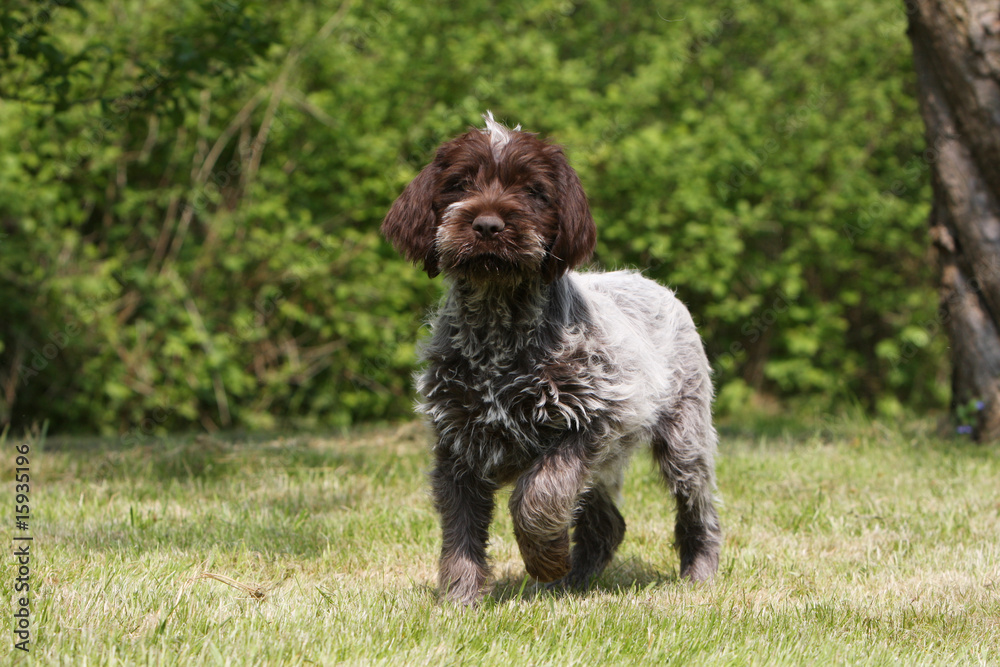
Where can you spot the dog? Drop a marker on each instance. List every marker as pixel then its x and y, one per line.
pixel 543 377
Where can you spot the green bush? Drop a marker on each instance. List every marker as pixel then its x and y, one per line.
pixel 190 195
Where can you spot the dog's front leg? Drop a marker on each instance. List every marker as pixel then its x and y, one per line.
pixel 465 503
pixel 541 507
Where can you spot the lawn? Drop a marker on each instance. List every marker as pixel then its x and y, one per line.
pixel 846 543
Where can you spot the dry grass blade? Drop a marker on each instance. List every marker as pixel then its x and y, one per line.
pixel 256 592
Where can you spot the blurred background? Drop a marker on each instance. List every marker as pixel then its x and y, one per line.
pixel 190 196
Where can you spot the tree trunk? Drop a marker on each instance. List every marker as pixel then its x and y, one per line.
pixel 956 53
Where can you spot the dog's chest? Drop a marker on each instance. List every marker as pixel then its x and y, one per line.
pixel 516 398
pixel 499 414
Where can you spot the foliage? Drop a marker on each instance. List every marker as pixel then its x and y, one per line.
pixel 190 194
pixel 324 551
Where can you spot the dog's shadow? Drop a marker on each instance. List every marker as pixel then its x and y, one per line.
pixel 629 574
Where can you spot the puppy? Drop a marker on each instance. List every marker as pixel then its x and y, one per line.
pixel 545 378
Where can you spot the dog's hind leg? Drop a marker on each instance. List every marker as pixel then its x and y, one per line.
pixel 683 444
pixel 598 531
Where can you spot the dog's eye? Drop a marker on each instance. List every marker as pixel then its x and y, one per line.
pixel 458 185
pixel 537 192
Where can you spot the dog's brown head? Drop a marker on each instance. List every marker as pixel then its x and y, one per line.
pixel 494 204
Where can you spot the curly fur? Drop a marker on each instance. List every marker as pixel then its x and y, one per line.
pixel 543 377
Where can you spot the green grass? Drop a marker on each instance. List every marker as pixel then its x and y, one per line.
pixel 851 543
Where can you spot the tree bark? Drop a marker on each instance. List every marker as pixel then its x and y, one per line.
pixel 956 53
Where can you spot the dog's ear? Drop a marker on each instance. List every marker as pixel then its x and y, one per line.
pixel 576 234
pixel 410 223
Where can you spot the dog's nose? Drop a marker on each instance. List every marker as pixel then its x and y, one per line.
pixel 487 225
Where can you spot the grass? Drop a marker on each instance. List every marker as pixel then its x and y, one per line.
pixel 852 543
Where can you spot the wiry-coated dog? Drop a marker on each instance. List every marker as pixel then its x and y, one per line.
pixel 543 377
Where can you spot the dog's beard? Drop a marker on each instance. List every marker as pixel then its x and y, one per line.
pixel 510 259
pixel 490 268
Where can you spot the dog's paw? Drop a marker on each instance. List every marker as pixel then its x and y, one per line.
pixel 577 580
pixel 463 594
pixel 546 562
pixel 701 567
pixel 462 581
